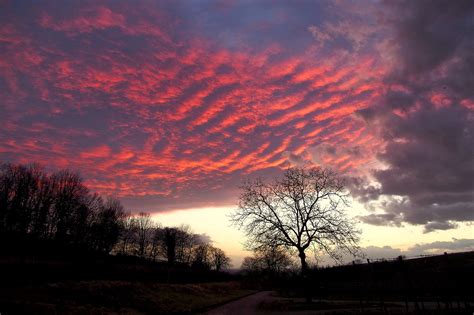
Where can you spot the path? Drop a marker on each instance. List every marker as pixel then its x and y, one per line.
pixel 247 305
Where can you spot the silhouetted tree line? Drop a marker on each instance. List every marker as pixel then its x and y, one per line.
pixel 273 260
pixel 58 208
pixel 177 245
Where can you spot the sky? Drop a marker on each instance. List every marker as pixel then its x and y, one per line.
pixel 169 105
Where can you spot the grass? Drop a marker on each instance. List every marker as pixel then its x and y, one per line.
pixel 123 297
pixel 345 307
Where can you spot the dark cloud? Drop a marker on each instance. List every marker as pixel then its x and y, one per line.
pixel 433 226
pixel 427 34
pixel 433 248
pixel 438 247
pixel 382 219
pixel 426 119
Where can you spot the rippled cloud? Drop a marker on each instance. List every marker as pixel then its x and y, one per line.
pixel 167 105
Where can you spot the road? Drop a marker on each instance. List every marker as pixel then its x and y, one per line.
pixel 247 305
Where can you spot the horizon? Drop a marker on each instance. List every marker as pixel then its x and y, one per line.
pixel 170 106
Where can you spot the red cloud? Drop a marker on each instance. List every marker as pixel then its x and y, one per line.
pixel 88 21
pixel 173 116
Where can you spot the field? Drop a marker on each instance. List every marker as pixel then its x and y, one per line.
pixel 125 297
pixel 88 284
pixel 127 285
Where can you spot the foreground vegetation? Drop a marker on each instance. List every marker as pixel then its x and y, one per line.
pixel 127 297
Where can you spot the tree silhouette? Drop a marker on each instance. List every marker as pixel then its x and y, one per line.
pixel 201 259
pixel 57 211
pixel 144 225
pixel 57 207
pixel 218 259
pixel 168 239
pixel 107 225
pixel 127 238
pixel 185 243
pixel 273 259
pixel 70 213
pixel 304 209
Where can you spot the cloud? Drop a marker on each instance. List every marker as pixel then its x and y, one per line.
pixel 168 105
pixel 90 20
pixel 441 246
pixel 382 219
pixel 388 252
pixel 429 35
pixel 349 26
pixel 151 106
pixel 438 247
pixel 427 131
pixel 432 226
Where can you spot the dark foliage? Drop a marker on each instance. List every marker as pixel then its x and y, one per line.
pixel 56 216
pixel 54 211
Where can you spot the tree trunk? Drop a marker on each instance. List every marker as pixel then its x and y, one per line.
pixel 304 274
pixel 304 265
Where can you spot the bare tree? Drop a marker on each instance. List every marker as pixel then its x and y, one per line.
pixel 128 234
pixel 273 259
pixel 155 250
pixel 56 208
pixel 144 225
pixel 185 243
pixel 250 264
pixel 202 257
pixel 166 240
pixel 219 259
pixel 107 225
pixel 304 209
pixel 71 197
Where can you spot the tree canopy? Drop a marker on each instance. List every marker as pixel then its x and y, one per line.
pixel 305 208
pixel 57 211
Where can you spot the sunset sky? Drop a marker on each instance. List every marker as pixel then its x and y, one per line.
pixel 169 105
